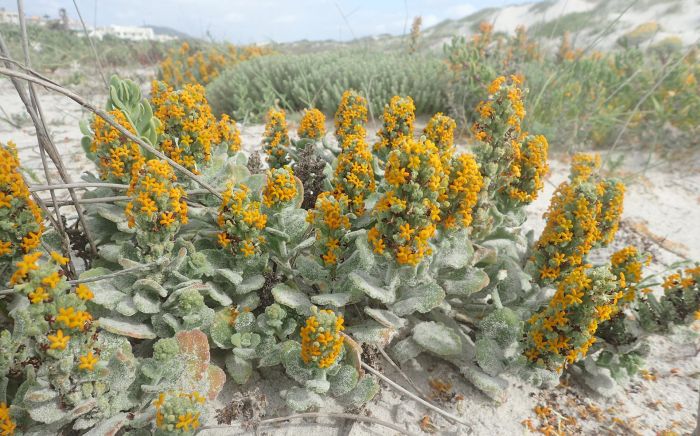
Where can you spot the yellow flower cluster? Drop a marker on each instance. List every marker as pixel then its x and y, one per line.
pixel 399 117
pixel 230 134
pixel 188 64
pixel 584 213
pixel 117 158
pixel 465 182
pixel 312 125
pixel 158 205
pixel 562 332
pixel 570 232
pixel 321 338
pixel 498 128
pixel 50 298
pixel 409 211
pixel 686 279
pixel 276 139
pixel 7 426
pixel 189 129
pixel 330 219
pixel 354 175
pixel 612 200
pixel 21 223
pixel 441 131
pixel 505 102
pixel 281 187
pixel 529 169
pixel 626 264
pixel 241 221
pixel 584 167
pixel 178 412
pixel 351 116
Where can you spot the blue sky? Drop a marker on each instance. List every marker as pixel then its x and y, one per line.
pixel 247 21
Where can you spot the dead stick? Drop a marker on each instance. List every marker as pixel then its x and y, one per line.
pixel 55 186
pixel 403 374
pixel 92 45
pixel 42 133
pixel 413 396
pixel 270 421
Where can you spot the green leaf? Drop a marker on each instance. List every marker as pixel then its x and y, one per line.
pixel 294 298
pixel 250 284
pixel 145 304
pixel 422 298
pixel 231 277
pixel 126 328
pixel 370 286
pixel 363 393
pixel 339 299
pixel 465 282
pixel 437 338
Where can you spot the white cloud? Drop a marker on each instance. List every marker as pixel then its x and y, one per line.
pixel 285 19
pixel 234 17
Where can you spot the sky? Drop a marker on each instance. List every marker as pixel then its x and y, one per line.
pixel 254 21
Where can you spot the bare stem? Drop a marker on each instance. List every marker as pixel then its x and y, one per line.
pixel 317 415
pixel 413 396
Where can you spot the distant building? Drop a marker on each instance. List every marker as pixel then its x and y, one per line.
pixel 131 33
pixel 9 17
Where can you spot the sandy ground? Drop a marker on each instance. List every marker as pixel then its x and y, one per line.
pixel 661 214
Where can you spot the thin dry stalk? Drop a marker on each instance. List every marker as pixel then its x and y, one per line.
pixel 52 187
pixel 37 114
pixel 92 45
pixel 271 421
pixel 400 371
pixel 413 396
pixel 668 69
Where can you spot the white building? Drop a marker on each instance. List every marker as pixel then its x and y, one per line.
pixel 131 33
pixel 9 17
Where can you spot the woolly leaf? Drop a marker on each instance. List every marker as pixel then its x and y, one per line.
pixel 370 286
pixel 422 298
pixel 290 297
pixel 437 338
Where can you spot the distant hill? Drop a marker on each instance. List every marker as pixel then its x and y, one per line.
pixel 602 23
pixel 164 30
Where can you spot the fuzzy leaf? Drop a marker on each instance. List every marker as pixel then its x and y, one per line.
pixel 386 318
pixel 336 300
pixel 373 333
pixel 368 285
pixel 466 282
pixel 489 356
pixel 145 304
pixel 229 276
pixel 250 284
pixel 151 285
pixel 239 369
pixel 365 390
pixel 405 350
pixel 127 328
pixel 437 338
pixel 454 252
pixel 290 297
pixel 310 268
pixel 302 400
pixel 422 298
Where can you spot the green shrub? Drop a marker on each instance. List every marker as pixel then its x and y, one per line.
pixel 318 80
